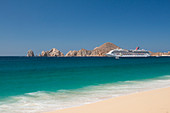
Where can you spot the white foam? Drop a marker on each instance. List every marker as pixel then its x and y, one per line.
pixel 42 101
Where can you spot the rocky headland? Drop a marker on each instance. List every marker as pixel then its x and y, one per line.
pixel 98 51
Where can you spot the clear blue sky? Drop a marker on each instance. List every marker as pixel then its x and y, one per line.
pixel 75 24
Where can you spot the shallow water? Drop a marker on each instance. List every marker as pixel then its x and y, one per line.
pixel 38 84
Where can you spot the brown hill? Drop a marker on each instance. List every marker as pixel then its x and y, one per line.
pixel 105 48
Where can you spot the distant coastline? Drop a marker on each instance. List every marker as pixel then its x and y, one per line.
pixel 96 52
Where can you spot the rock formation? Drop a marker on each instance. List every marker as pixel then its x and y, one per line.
pixel 55 52
pixel 71 53
pixel 52 53
pixel 45 54
pixel 30 53
pixel 83 52
pixel 98 51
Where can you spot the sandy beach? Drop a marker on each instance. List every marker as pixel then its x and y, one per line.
pixel 155 101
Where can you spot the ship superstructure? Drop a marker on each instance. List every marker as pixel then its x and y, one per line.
pixel 128 53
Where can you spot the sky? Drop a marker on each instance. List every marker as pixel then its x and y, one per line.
pixel 75 24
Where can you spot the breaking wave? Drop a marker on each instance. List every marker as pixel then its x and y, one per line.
pixel 42 101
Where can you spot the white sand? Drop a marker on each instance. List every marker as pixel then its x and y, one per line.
pixel 155 101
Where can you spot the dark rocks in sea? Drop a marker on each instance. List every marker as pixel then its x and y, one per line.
pixel 30 53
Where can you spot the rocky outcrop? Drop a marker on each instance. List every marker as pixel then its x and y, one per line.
pixel 98 51
pixel 52 53
pixel 71 53
pixel 30 53
pixel 83 52
pixel 45 54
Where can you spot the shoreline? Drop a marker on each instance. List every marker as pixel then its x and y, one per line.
pixel 152 101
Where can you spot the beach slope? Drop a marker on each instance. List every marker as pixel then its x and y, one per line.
pixel 155 101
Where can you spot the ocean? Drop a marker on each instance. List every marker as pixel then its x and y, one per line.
pixel 41 84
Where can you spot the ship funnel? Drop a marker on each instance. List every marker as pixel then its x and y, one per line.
pixel 137 48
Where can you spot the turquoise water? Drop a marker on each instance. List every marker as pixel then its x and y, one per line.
pixel 56 82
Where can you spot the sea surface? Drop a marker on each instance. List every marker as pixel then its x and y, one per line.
pixel 41 84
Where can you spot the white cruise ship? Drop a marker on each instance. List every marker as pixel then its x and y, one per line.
pixel 128 53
